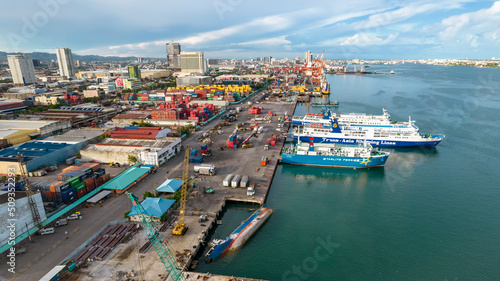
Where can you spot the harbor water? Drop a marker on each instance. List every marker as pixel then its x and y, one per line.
pixel 430 214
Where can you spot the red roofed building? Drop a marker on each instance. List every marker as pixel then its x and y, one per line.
pixel 140 133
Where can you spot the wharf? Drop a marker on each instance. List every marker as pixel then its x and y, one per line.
pixel 227 161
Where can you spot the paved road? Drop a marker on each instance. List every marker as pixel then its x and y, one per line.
pixel 48 251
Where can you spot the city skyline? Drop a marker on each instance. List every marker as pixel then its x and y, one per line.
pixel 235 29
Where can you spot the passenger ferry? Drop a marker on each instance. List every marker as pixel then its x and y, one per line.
pixel 343 118
pixel 334 155
pixel 393 135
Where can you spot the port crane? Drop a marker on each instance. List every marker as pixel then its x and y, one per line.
pixel 181 228
pixel 315 74
pixel 29 193
pixel 158 242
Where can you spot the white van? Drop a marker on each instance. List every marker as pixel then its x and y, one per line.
pixel 48 230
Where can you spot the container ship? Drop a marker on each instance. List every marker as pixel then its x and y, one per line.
pixel 393 135
pixel 239 236
pixel 334 155
pixel 326 116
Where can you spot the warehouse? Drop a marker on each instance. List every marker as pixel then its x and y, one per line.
pixel 36 128
pixel 84 136
pixel 22 215
pixel 150 152
pixel 37 154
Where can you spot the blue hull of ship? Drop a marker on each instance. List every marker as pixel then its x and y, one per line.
pixel 334 161
pixel 375 143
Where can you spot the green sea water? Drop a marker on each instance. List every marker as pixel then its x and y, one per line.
pixel 430 214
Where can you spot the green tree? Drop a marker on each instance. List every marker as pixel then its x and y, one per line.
pixel 132 159
pixel 144 124
pixel 78 155
pixel 125 215
pixel 4 178
pixel 147 194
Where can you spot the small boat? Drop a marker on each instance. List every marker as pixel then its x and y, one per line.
pixel 328 104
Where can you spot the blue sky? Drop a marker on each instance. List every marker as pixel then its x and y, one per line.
pixel 369 29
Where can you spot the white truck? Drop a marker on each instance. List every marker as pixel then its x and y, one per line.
pixel 205 169
pixel 61 222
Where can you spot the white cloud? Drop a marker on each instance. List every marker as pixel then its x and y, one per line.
pixel 365 39
pixel 281 40
pixel 484 22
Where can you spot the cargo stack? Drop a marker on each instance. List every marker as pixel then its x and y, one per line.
pixel 204 148
pixel 231 141
pixel 254 110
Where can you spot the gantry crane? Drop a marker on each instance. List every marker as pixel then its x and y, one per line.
pixel 181 228
pixel 160 245
pixel 29 192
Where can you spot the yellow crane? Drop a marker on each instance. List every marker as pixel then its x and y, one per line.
pixel 181 228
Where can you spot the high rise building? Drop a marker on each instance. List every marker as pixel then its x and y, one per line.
pixel 174 54
pixel 134 72
pixel 192 62
pixel 78 63
pixel 308 57
pixel 65 61
pixel 36 63
pixel 21 69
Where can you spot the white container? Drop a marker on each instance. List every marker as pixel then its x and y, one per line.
pixel 227 181
pixel 236 181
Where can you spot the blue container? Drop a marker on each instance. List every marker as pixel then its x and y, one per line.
pixel 204 146
pixel 68 192
pixel 223 116
pixel 100 172
pixel 194 151
pixel 196 159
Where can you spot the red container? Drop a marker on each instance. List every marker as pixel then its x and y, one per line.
pixel 273 143
pixel 274 138
pixel 81 193
pixel 268 141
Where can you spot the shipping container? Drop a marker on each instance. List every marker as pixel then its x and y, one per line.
pixel 244 181
pixel 227 180
pixel 235 182
pixel 195 159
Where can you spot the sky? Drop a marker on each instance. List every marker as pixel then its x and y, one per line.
pixel 364 29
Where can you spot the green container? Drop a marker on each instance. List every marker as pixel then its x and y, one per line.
pixel 80 186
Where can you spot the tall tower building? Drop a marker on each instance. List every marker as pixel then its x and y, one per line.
pixel 21 69
pixel 134 72
pixel 65 61
pixel 193 62
pixel 308 57
pixel 174 54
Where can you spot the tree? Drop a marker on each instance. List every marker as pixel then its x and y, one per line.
pixel 147 194
pixel 4 178
pixel 132 159
pixel 144 124
pixel 78 155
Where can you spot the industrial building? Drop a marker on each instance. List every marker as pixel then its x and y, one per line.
pixel 131 84
pixel 192 62
pixel 131 117
pixel 21 217
pixel 65 61
pixel 50 98
pixel 77 116
pixel 36 128
pixel 194 81
pixel 149 152
pixel 85 136
pixel 12 107
pixel 22 69
pixel 37 154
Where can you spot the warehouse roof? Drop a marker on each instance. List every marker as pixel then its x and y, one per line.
pixel 153 206
pixel 126 178
pixel 150 133
pixel 76 136
pixel 11 106
pixel 32 149
pixel 24 124
pixel 7 132
pixel 170 186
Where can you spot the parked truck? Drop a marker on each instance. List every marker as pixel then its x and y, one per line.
pixel 205 169
pixel 61 222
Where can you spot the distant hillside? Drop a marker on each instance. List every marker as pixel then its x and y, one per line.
pixel 46 57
